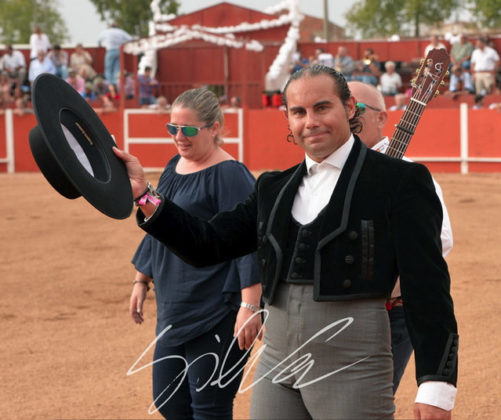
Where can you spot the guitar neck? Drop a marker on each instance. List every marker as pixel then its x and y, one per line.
pixel 405 129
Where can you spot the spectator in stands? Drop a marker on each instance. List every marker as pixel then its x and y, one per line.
pixel 89 95
pixel 6 88
pixel 400 103
pixel 461 52
pixel 298 62
pixel 368 68
pixel 39 41
pixel 479 102
pixel 390 82
pixel 162 105
pixel 59 58
pixel 22 106
pixel 484 65
pixel 100 86
pixel 41 64
pixel 112 93
pixel 112 39
pixel 81 61
pixel 147 87
pixel 235 102
pixel 434 44
pixel 129 89
pixel 325 58
pixel 76 81
pixel 460 82
pixel 14 64
pixel 343 63
pixel 107 106
pixel 496 106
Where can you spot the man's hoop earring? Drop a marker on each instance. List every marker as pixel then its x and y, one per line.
pixel 290 136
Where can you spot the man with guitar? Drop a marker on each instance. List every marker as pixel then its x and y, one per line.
pixel 374 119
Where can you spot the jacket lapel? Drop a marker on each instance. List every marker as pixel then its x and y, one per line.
pixel 337 211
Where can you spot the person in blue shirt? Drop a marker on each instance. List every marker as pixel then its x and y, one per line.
pixel 198 310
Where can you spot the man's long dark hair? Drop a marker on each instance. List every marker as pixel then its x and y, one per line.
pixel 340 86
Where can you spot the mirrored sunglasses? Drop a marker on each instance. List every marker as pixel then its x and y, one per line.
pixel 363 107
pixel 187 130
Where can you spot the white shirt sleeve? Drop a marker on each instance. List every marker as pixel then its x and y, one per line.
pixel 438 394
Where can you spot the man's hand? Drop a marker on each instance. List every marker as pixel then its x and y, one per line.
pixel 430 412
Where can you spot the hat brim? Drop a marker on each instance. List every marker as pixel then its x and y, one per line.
pixel 73 149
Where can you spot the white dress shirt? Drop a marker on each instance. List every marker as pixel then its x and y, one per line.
pixel 315 192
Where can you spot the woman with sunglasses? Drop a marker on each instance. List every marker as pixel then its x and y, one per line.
pixel 198 310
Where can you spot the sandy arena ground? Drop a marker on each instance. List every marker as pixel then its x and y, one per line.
pixel 67 342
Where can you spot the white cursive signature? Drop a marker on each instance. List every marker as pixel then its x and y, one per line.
pixel 284 371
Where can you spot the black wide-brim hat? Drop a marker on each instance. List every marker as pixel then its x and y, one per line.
pixel 73 149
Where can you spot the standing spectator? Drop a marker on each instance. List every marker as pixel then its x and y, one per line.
pixel 38 41
pixel 461 52
pixel 368 68
pixel 112 39
pixel 325 58
pixel 434 44
pixel 484 64
pixel 147 85
pixel 343 63
pixel 399 105
pixel 14 64
pixel 59 58
pixel 390 81
pixel 461 81
pixel 41 64
pixel 81 61
pixel 76 81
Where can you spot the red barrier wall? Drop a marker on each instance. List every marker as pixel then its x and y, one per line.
pixel 265 133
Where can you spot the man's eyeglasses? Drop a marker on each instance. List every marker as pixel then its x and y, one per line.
pixel 187 130
pixel 363 107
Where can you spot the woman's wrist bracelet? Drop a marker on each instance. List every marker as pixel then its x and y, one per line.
pixel 252 308
pixel 150 195
pixel 142 282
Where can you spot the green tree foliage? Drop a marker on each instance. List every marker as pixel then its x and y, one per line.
pixel 379 18
pixel 488 12
pixel 17 18
pixel 132 15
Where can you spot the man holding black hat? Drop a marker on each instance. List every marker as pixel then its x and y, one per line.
pixel 332 234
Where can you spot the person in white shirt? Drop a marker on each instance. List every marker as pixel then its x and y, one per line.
pixel 434 44
pixel 14 64
pixel 41 64
pixel 484 64
pixel 373 121
pixel 390 81
pixel 39 41
pixel 330 233
pixel 112 39
pixel 324 58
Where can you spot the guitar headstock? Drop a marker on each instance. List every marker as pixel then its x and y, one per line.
pixel 430 75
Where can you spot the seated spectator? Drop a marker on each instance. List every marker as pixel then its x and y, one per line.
pixel 400 100
pixel 434 44
pixel 129 89
pixel 343 63
pixel 76 82
pixel 100 86
pixel 325 58
pixel 368 68
pixel 298 62
pixel 461 52
pixel 461 82
pixel 22 106
pixel 107 105
pixel 40 65
pixel 6 88
pixel 14 64
pixel 147 87
pixel 89 95
pixel 479 102
pixel 112 93
pixel 235 102
pixel 162 105
pixel 484 65
pixel 59 58
pixel 390 82
pixel 81 61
